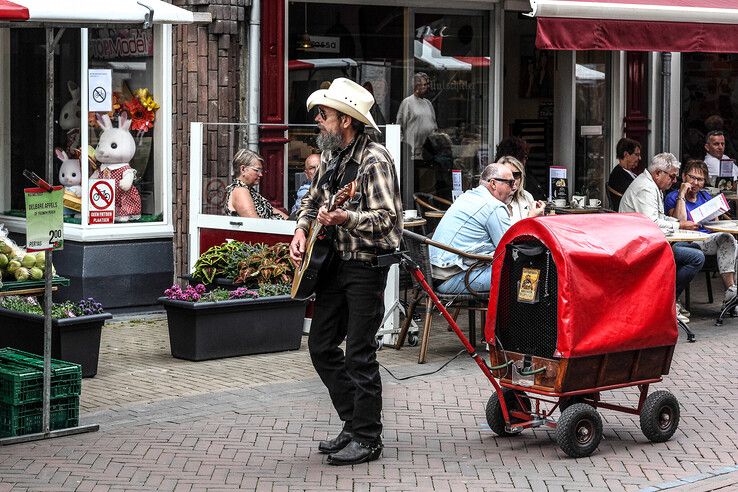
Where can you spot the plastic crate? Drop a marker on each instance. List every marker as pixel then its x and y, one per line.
pixel 17 420
pixel 21 378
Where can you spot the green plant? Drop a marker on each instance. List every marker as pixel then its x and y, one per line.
pixel 268 290
pixel 66 309
pixel 222 261
pixel 267 265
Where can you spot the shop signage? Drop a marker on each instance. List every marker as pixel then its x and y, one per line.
pixel 456 190
pixel 100 86
pixel 102 201
pixel 325 44
pixel 108 44
pixel 44 219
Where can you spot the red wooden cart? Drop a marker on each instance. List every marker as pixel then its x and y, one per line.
pixel 579 305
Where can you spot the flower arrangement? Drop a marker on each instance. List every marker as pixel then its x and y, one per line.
pixel 199 293
pixel 140 106
pixel 66 309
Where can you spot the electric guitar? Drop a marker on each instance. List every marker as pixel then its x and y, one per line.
pixel 317 248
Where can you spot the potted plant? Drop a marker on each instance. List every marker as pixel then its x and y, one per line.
pixel 75 329
pixel 257 316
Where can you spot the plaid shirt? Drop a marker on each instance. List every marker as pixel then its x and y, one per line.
pixel 375 211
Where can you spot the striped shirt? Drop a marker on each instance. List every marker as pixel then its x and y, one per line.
pixel 374 213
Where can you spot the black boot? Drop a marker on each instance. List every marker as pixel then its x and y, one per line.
pixel 337 443
pixel 355 453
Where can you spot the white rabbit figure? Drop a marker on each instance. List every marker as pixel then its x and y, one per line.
pixel 70 117
pixel 70 176
pixel 115 149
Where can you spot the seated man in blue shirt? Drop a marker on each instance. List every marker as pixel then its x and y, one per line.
pixel 474 223
pixel 311 167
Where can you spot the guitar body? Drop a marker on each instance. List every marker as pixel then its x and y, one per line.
pixel 317 250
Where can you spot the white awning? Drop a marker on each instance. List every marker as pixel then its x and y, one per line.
pixel 96 12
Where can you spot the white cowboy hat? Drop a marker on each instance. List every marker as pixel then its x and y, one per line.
pixel 346 96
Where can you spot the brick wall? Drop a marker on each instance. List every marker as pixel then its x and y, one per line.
pixel 206 80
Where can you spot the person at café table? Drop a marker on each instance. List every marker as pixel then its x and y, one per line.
pixel 628 153
pixel 521 203
pixel 715 148
pixel 475 223
pixel 690 195
pixel 645 196
pixel 242 200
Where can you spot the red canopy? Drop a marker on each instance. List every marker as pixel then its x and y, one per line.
pixel 616 281
pixel 637 25
pixel 10 11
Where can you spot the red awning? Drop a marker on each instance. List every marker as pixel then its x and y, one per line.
pixel 637 25
pixel 10 11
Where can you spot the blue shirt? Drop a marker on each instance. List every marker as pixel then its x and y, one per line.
pixel 300 193
pixel 671 199
pixel 474 223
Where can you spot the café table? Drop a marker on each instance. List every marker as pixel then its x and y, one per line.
pixel 681 236
pixel 729 226
pixel 579 210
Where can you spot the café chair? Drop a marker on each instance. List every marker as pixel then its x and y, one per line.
pixel 427 201
pixel 613 198
pixel 710 268
pixel 473 302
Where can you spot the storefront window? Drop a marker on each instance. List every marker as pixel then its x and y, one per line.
pixel 592 106
pixel 709 102
pixel 26 118
pixel 367 44
pixel 123 138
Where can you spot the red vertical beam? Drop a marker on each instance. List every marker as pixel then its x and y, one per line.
pixel 636 103
pixel 271 140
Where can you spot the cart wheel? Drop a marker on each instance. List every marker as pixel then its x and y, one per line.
pixel 380 343
pixel 496 420
pixel 579 430
pixel 412 340
pixel 660 416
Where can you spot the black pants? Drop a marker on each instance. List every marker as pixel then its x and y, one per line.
pixel 349 303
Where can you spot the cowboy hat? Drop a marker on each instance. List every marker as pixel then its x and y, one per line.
pixel 346 96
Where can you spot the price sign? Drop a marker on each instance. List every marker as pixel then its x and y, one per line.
pixel 44 219
pixel 102 201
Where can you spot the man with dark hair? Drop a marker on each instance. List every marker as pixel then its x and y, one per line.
pixel 628 153
pixel 349 294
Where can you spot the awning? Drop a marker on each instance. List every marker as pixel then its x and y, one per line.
pixel 94 12
pixel 637 25
pixel 311 63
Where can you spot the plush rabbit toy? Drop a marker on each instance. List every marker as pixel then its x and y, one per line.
pixel 114 152
pixel 70 176
pixel 69 117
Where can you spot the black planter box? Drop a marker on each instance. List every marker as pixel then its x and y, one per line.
pixel 210 330
pixel 72 339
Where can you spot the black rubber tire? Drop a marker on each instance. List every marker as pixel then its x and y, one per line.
pixel 660 416
pixel 495 419
pixel 579 430
pixel 412 340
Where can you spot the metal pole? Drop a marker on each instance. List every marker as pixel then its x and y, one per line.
pixel 47 274
pixel 254 74
pixel 665 100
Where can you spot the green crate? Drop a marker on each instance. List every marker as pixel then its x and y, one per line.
pixel 21 377
pixel 17 420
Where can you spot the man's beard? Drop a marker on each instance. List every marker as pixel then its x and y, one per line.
pixel 328 141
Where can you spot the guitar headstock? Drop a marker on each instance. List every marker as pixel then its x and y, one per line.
pixel 344 194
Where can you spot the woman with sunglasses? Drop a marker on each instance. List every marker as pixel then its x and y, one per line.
pixel 521 203
pixel 242 200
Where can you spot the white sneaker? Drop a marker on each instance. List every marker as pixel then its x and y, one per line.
pixel 730 293
pixel 680 315
pixel 680 309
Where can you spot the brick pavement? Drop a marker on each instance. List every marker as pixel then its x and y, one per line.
pixel 251 423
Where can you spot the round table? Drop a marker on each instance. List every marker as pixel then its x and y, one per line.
pixel 572 210
pixel 680 236
pixel 729 226
pixel 409 224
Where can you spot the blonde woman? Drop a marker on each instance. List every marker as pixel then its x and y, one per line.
pixel 521 204
pixel 242 200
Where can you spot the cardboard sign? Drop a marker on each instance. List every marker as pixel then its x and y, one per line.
pixel 710 209
pixel 102 201
pixel 44 219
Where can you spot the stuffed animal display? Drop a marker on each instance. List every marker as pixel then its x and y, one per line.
pixel 115 149
pixel 70 117
pixel 70 176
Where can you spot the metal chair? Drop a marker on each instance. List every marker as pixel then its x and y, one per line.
pixel 417 248
pixel 613 198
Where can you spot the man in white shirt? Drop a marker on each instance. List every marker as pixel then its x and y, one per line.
pixel 645 195
pixel 715 148
pixel 416 116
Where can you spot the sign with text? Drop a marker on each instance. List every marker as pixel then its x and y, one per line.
pixel 325 44
pixel 44 219
pixel 456 190
pixel 102 201
pixel 100 87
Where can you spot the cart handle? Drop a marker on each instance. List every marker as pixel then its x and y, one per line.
pixel 446 247
pixel 531 373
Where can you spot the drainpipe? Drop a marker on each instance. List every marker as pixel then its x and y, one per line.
pixel 665 100
pixel 254 74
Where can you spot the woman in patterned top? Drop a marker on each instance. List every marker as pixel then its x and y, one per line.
pixel 242 200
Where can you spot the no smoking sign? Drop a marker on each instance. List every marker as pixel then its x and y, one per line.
pixel 102 201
